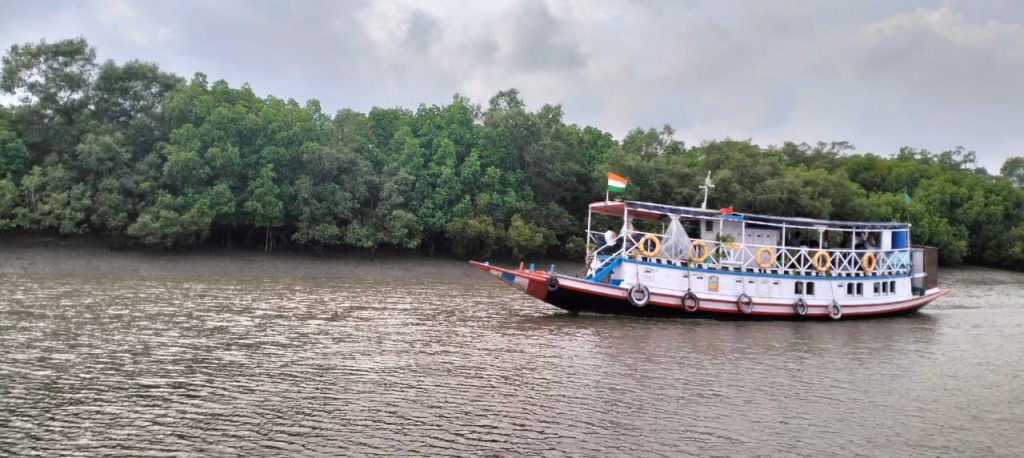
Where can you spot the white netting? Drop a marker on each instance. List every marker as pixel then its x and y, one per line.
pixel 675 243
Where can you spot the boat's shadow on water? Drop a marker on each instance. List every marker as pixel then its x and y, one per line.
pixel 860 340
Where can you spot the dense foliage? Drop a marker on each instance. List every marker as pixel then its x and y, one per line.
pixel 143 156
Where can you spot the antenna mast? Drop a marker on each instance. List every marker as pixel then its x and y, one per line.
pixel 706 187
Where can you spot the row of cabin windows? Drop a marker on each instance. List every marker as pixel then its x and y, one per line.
pixel 800 287
pixel 883 288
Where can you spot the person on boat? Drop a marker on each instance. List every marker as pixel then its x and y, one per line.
pixel 871 244
pixel 794 240
pixel 610 241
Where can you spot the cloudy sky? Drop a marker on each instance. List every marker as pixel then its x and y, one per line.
pixel 878 73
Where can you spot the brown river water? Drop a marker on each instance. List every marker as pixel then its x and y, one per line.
pixel 243 354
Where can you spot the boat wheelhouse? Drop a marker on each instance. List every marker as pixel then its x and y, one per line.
pixel 669 260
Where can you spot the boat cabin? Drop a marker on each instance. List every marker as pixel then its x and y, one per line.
pixel 750 243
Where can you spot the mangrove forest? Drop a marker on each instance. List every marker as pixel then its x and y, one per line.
pixel 143 157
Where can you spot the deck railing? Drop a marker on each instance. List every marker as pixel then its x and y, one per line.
pixel 712 254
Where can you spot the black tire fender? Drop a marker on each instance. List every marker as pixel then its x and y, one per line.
pixel 691 303
pixel 745 304
pixel 552 284
pixel 835 311
pixel 800 307
pixel 645 295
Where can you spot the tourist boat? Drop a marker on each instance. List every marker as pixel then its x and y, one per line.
pixel 682 261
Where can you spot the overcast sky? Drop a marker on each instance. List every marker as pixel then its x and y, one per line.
pixel 878 73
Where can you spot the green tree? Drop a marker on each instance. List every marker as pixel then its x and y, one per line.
pixel 52 81
pixel 1013 170
pixel 525 239
pixel 264 208
pixel 14 158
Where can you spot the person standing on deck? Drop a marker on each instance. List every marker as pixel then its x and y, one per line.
pixel 610 241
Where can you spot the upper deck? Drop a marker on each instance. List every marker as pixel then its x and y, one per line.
pixel 748 242
pixel 649 211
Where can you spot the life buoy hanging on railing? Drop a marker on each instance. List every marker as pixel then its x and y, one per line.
pixel 702 246
pixel 766 263
pixel 868 262
pixel 642 245
pixel 817 261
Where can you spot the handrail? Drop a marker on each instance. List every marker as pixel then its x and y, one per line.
pixel 783 259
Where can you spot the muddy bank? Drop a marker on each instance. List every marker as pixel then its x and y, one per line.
pixel 35 255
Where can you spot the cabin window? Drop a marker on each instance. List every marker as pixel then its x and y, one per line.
pixel 877 289
pixel 860 289
pixel 810 288
pixel 709 226
pixel 892 286
pixel 885 287
pixel 849 289
pixel 798 288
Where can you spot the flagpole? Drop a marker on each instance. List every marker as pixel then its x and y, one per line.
pixel 606 195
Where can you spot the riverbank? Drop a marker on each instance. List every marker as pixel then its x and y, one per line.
pixel 84 255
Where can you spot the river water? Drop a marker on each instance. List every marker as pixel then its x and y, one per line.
pixel 227 354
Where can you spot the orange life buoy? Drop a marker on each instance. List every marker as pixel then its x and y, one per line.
pixel 817 261
pixel 868 262
pixel 767 262
pixel 703 246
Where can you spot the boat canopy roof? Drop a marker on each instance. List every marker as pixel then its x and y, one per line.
pixel 644 210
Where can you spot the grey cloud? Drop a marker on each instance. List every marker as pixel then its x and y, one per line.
pixel 540 42
pixel 423 30
pixel 878 73
pixel 481 50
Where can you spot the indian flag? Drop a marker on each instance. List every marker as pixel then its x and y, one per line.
pixel 616 183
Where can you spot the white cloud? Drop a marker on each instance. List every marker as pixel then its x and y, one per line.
pixel 950 25
pixel 122 18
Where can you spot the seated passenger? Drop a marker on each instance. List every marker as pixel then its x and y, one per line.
pixel 871 244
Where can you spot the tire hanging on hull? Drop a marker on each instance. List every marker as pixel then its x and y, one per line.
pixel 800 307
pixel 638 295
pixel 552 284
pixel 835 311
pixel 745 304
pixel 691 303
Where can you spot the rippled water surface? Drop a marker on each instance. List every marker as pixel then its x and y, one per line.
pixel 114 353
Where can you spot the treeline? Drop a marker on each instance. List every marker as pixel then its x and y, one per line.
pixel 142 156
